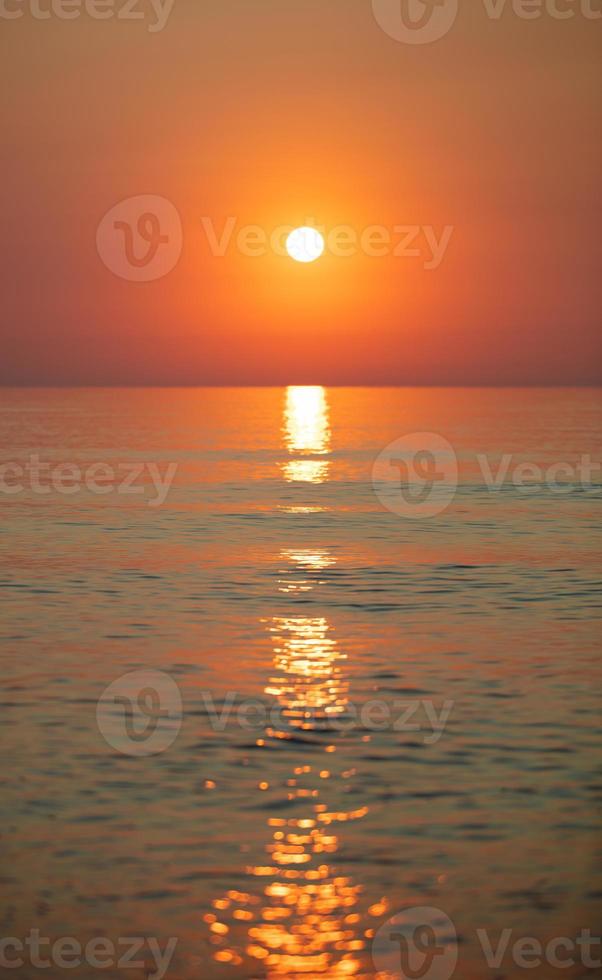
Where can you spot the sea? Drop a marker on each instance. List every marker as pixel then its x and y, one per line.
pixel 301 682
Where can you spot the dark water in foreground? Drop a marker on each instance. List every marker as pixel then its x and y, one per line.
pixel 380 710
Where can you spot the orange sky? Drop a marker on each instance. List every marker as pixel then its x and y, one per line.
pixel 279 111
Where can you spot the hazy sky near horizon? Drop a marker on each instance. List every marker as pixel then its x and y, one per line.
pixel 283 112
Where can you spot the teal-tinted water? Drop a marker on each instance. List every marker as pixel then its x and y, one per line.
pixel 380 709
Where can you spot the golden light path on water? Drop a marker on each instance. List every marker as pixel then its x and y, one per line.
pixel 311 562
pixel 304 921
pixel 307 433
pixel 309 682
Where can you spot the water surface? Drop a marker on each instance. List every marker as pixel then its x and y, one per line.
pixel 278 845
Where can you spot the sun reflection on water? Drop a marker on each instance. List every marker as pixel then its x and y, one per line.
pixel 304 921
pixel 303 918
pixel 306 433
pixel 308 680
pixel 307 565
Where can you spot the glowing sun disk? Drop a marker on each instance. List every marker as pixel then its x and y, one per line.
pixel 305 244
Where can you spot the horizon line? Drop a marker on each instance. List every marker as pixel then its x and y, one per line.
pixel 302 384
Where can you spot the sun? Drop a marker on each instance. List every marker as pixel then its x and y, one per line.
pixel 305 244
